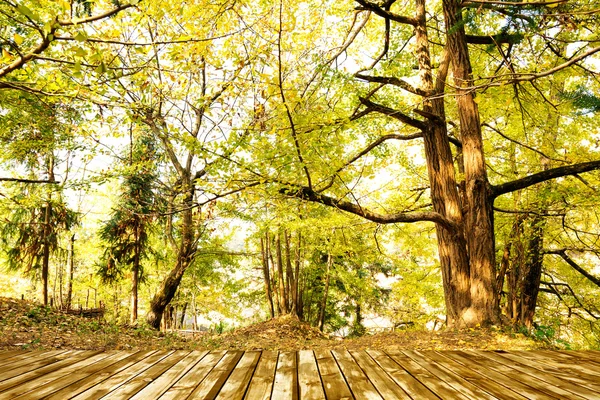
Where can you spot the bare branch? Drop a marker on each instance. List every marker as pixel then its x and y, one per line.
pixel 512 3
pixel 563 254
pixel 499 132
pixel 366 150
pixel 283 99
pixel 501 80
pixel 308 194
pixel 93 18
pixel 367 5
pixel 495 39
pixel 543 176
pixel 20 180
pixel 393 113
pixel 393 81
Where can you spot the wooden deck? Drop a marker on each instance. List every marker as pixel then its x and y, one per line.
pixel 337 374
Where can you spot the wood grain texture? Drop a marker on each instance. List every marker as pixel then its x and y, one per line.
pixel 305 374
pixel 261 384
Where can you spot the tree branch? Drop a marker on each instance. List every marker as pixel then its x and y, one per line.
pixel 562 253
pixel 367 5
pixel 366 150
pixel 393 113
pixel 512 38
pixel 543 176
pixel 308 194
pixel 512 3
pixel 393 81
pixel 20 180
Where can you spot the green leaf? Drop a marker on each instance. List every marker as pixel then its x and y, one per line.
pixel 101 68
pixel 81 36
pixel 26 11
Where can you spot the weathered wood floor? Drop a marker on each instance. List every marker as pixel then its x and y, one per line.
pixel 337 374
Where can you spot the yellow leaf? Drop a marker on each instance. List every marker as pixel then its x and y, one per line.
pixel 18 39
pixel 5 54
pixel 80 37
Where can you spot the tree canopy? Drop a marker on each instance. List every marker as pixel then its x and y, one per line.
pixel 316 149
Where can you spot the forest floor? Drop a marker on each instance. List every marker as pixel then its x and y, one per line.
pixel 30 326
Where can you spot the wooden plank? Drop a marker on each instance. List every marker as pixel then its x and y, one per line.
pixel 499 375
pixel 57 380
pixel 578 391
pixel 194 376
pixel 578 368
pixel 166 380
pixel 6 354
pixel 310 386
pixel 478 377
pixel 286 377
pixel 382 382
pixel 543 389
pixel 442 389
pixel 359 384
pixel 591 367
pixel 261 384
pixel 109 369
pixel 137 383
pixel 556 371
pixel 402 377
pixel 211 385
pixel 30 361
pixel 112 383
pixel 591 355
pixel 333 380
pixel 235 387
pixel 458 382
pixel 69 358
pixel 569 372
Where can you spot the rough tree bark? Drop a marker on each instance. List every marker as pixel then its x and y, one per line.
pixel 478 206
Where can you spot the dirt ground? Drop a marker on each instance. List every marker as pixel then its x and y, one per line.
pixel 29 326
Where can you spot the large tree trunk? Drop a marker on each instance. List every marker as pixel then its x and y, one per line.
pixel 478 211
pixel 452 247
pixel 533 272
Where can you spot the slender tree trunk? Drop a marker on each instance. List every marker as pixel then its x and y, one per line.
pixel 289 272
pixel 325 293
pixel 182 319
pixel 266 275
pixel 135 274
pixel 296 309
pixel 280 276
pixel 185 257
pixel 71 266
pixel 274 281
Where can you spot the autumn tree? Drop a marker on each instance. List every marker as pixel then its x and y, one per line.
pixel 35 150
pixel 434 97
